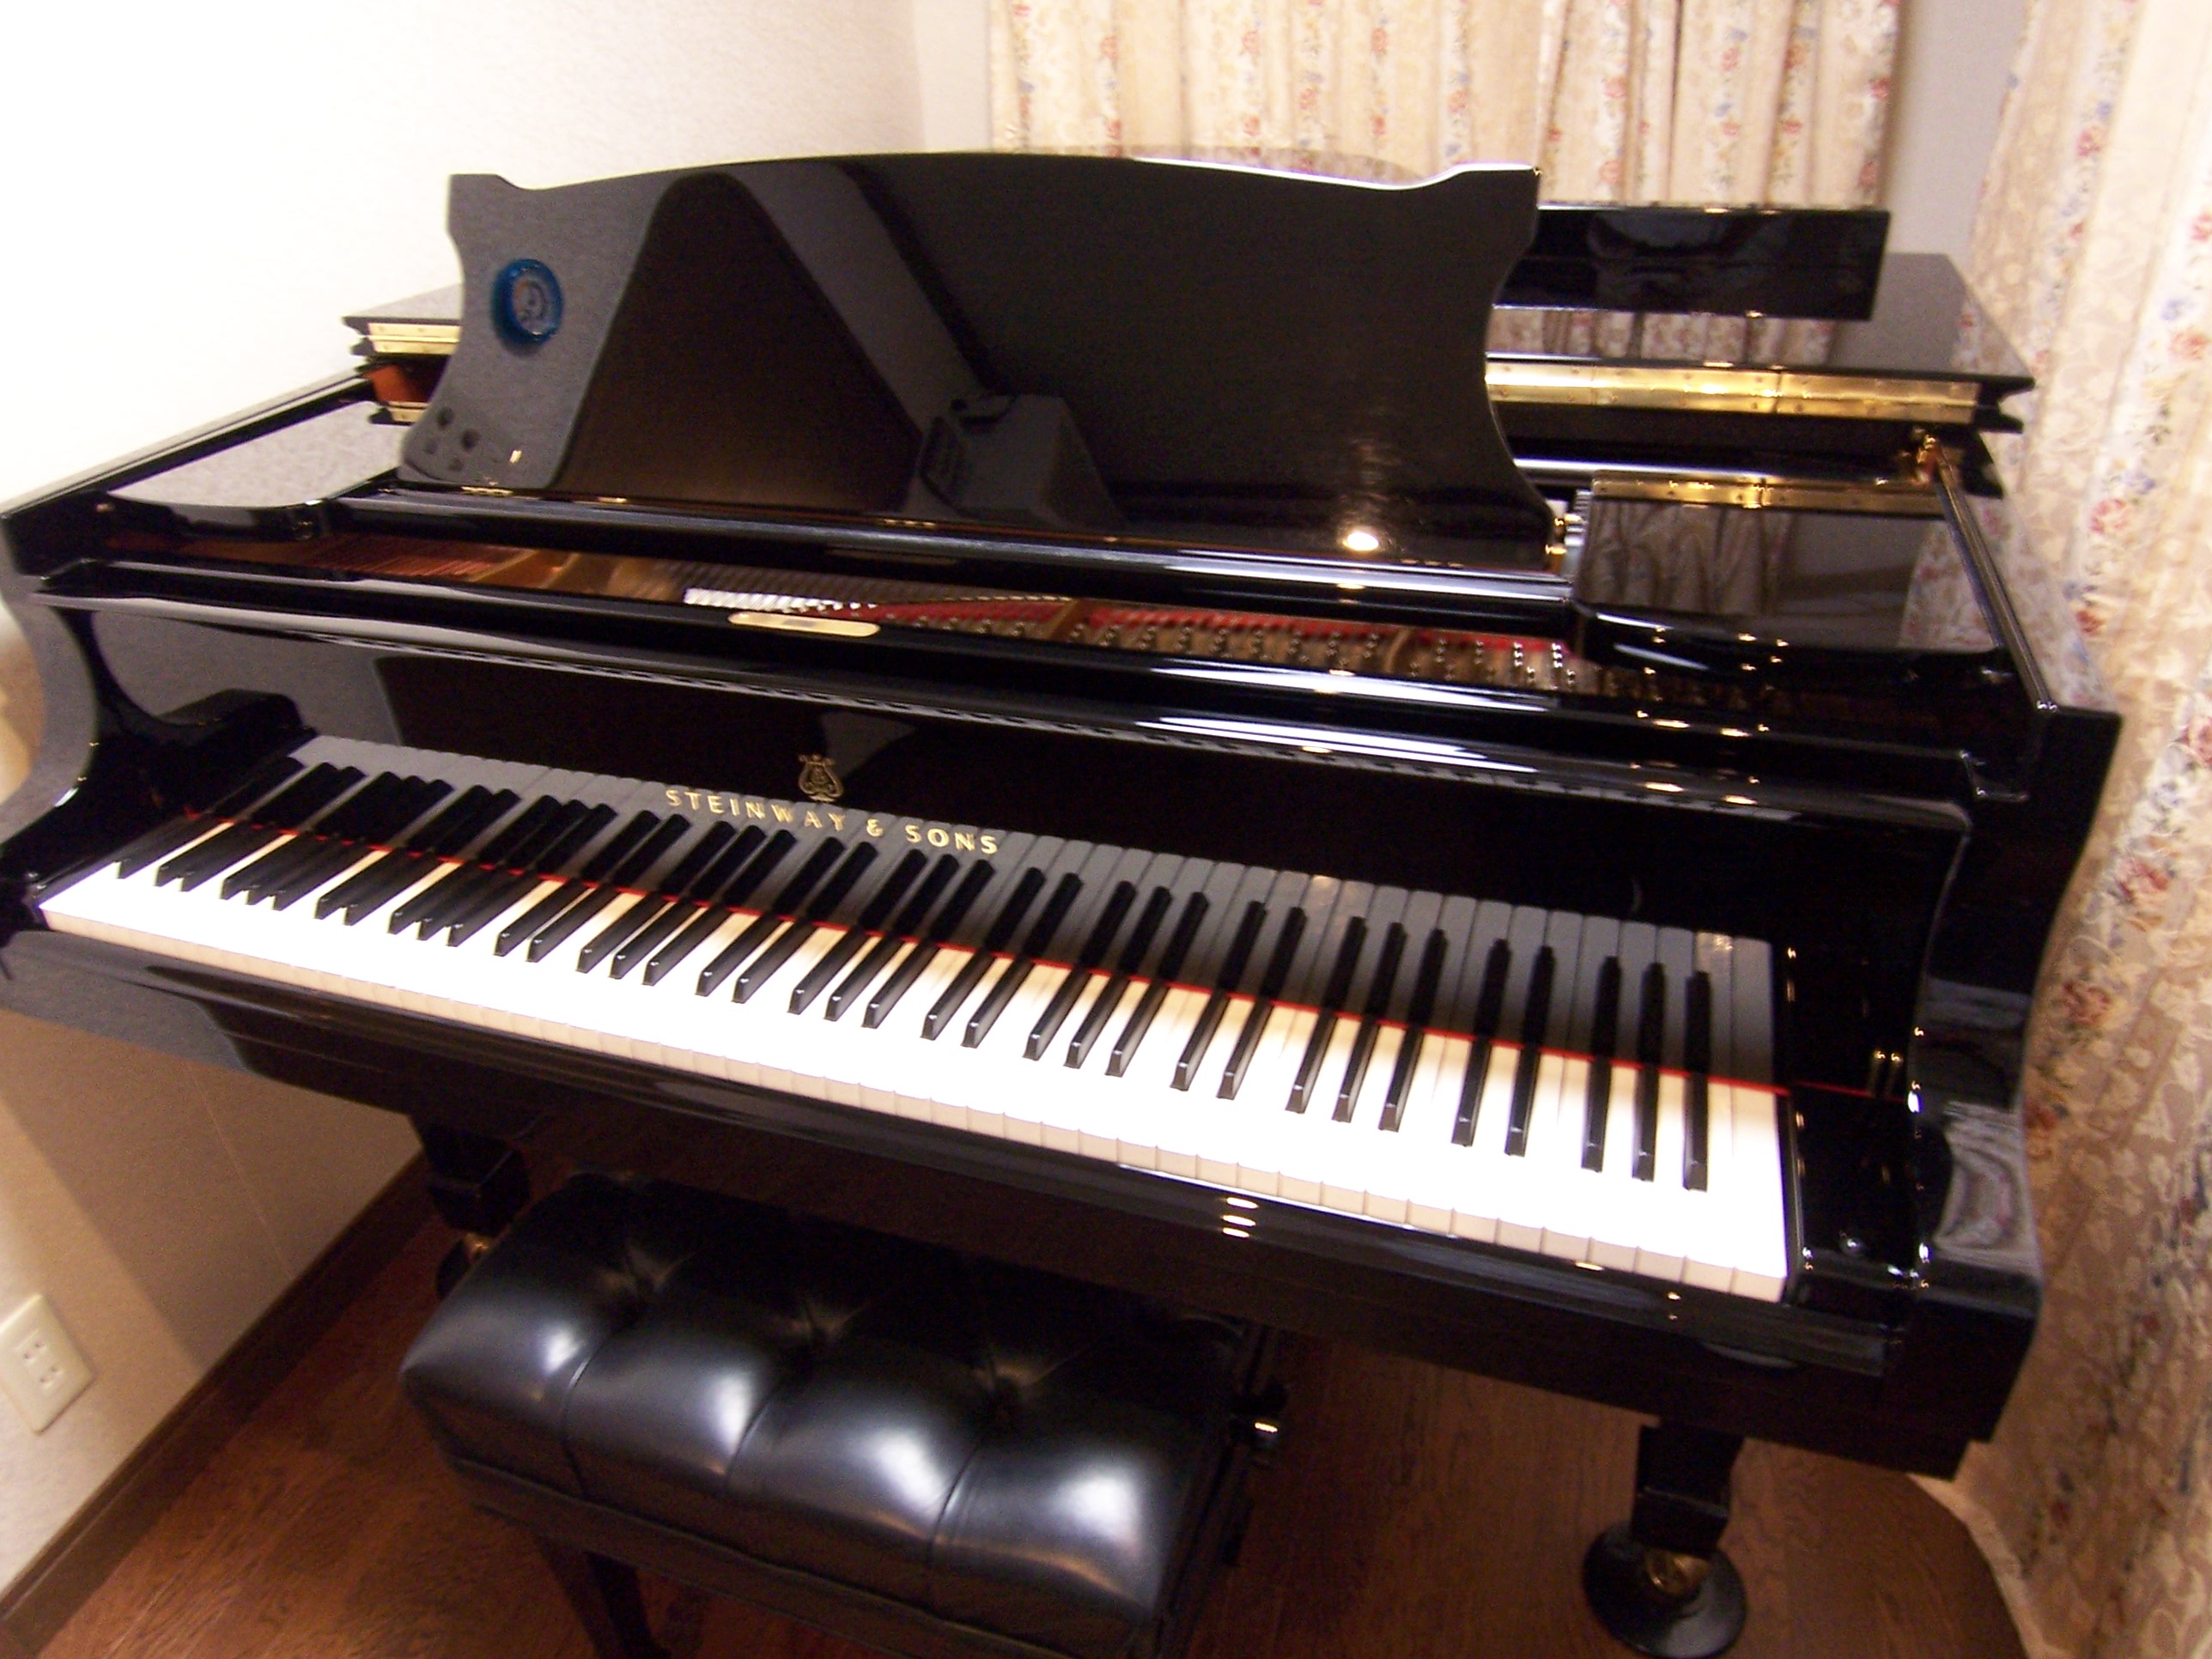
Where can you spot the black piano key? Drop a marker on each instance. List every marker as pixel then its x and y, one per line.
pixel 372 814
pixel 901 876
pixel 756 860
pixel 1489 1005
pixel 1697 1065
pixel 230 849
pixel 262 876
pixel 426 901
pixel 756 869
pixel 492 871
pixel 1535 1016
pixel 1110 918
pixel 576 913
pixel 1332 1001
pixel 565 838
pixel 834 892
pixel 925 948
pixel 159 842
pixel 305 794
pixel 1650 1037
pixel 1370 1023
pixel 561 850
pixel 459 896
pixel 640 916
pixel 1010 916
pixel 370 887
pixel 818 910
pixel 1419 1012
pixel 401 863
pixel 558 916
pixel 414 797
pixel 432 901
pixel 292 807
pixel 1263 1004
pixel 1158 904
pixel 905 926
pixel 1163 977
pixel 519 831
pixel 619 847
pixel 1039 942
pixel 643 855
pixel 644 943
pixel 691 888
pixel 1605 1030
pixel 1224 987
pixel 785 904
pixel 500 863
pixel 528 924
pixel 635 867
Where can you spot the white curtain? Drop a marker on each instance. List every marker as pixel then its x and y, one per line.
pixel 1617 101
pixel 2093 249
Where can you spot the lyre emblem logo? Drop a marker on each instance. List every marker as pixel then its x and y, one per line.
pixel 819 779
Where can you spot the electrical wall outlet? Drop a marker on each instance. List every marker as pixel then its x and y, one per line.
pixel 41 1367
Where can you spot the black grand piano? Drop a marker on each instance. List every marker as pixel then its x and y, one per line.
pixel 1258 737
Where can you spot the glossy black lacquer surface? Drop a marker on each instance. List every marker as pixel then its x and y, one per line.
pixel 1895 806
pixel 1775 262
pixel 1160 349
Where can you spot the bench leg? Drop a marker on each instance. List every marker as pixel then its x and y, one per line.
pixel 604 1596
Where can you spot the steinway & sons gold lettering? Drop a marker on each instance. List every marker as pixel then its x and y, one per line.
pixel 915 831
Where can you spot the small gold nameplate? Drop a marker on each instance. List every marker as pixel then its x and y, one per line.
pixel 850 630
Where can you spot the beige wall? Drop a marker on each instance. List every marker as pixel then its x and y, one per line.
pixel 1954 60
pixel 194 194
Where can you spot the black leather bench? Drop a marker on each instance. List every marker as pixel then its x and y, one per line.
pixel 915 1450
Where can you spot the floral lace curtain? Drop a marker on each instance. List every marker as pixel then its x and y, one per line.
pixel 2093 249
pixel 1617 101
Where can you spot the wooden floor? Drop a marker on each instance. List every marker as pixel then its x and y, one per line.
pixel 1414 1512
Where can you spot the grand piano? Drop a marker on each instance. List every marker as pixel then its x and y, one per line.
pixel 1483 780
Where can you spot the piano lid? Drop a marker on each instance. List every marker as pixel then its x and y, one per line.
pixel 1925 352
pixel 1102 349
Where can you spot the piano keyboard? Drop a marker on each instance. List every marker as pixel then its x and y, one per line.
pixel 1578 1087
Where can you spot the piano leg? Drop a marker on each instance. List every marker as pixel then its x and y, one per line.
pixel 1659 1581
pixel 477 1186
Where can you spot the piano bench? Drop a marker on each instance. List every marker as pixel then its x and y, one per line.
pixel 921 1451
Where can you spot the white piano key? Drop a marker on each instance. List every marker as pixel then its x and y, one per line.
pixel 1709 1259
pixel 1663 1239
pixel 1762 1262
pixel 1483 1171
pixel 1616 1216
pixel 1160 1128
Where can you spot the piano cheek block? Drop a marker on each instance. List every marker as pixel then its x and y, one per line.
pixel 899 1444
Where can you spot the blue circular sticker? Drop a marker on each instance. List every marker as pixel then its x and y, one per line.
pixel 526 302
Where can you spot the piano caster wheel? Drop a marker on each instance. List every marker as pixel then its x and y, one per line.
pixel 468 1249
pixel 1669 1606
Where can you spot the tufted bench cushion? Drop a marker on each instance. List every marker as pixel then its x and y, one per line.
pixel 914 1448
